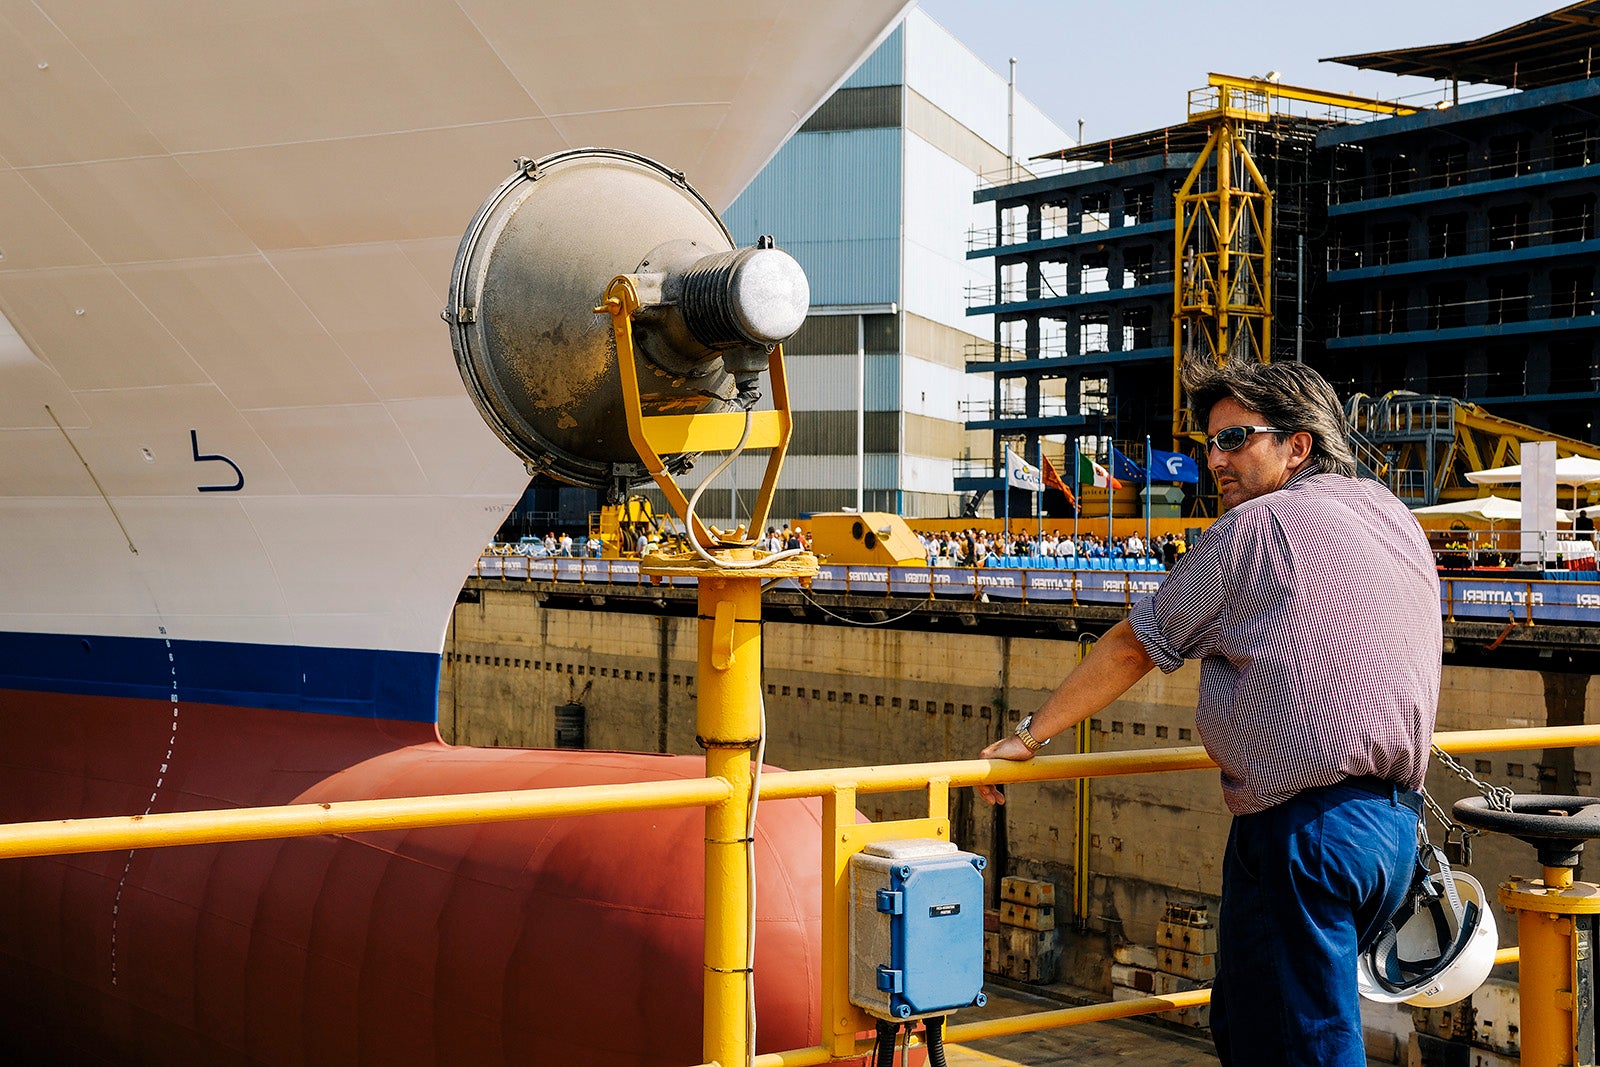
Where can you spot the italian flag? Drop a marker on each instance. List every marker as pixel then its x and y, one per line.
pixel 1091 473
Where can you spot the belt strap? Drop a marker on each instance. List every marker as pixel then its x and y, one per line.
pixel 1382 787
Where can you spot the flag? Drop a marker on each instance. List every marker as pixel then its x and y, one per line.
pixel 1091 473
pixel 1173 467
pixel 1052 480
pixel 1022 474
pixel 1125 468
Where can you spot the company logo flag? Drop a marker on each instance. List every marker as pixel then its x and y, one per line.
pixel 1052 480
pixel 1022 474
pixel 1125 468
pixel 1091 473
pixel 1173 467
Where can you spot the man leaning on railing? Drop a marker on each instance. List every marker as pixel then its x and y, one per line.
pixel 1313 607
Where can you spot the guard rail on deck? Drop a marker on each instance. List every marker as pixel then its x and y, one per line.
pixel 837 787
pixel 1554 597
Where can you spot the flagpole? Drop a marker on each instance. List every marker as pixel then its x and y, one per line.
pixel 1038 495
pixel 1077 505
pixel 1147 493
pixel 1007 534
pixel 1111 495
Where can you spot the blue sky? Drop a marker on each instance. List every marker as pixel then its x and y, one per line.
pixel 1125 66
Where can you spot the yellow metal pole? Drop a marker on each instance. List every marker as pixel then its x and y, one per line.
pixel 729 726
pixel 1547 975
pixel 1544 984
pixel 1222 238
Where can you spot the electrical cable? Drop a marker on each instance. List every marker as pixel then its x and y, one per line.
pixel 918 606
pixel 933 1034
pixel 883 1050
pixel 761 744
pixel 694 543
pixel 750 875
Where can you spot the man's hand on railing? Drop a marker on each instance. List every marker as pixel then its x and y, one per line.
pixel 1008 747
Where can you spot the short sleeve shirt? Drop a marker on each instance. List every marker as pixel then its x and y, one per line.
pixel 1314 612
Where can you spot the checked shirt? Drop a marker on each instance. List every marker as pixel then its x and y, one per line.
pixel 1314 612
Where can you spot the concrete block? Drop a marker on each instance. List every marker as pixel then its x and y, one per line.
pixel 1198 966
pixel 1149 982
pixel 1024 968
pixel 991 918
pixel 1032 918
pixel 1497 1017
pixel 1453 1022
pixel 1028 891
pixel 1186 938
pixel 1029 943
pixel 1196 1016
pixel 1131 955
pixel 1139 980
pixel 992 951
pixel 1482 1057
pixel 1381 1045
pixel 1028 955
pixel 1425 1050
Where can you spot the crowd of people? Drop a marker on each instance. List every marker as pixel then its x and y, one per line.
pixel 554 544
pixel 973 547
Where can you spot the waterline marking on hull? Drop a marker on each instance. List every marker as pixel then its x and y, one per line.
pixel 161 776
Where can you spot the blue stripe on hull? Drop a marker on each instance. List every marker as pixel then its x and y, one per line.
pixel 367 683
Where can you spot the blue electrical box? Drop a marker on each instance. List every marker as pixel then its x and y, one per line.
pixel 916 929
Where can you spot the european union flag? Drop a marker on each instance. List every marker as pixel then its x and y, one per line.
pixel 1125 469
pixel 1173 467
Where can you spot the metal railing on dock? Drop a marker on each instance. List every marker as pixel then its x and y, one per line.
pixel 838 789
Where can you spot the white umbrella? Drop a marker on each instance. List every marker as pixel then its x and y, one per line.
pixel 1570 470
pixel 1490 508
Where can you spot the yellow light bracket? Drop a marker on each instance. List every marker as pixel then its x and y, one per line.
pixel 656 435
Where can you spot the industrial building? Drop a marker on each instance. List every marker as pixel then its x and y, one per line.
pixel 1445 250
pixel 873 196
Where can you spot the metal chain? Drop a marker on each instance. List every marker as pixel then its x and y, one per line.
pixel 1457 836
pixel 1498 796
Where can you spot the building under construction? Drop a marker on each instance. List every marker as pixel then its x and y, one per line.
pixel 1445 250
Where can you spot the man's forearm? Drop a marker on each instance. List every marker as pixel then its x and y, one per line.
pixel 1113 665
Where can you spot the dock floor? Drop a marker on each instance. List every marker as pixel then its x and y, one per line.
pixel 1129 1041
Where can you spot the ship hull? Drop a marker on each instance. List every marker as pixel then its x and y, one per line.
pixel 573 940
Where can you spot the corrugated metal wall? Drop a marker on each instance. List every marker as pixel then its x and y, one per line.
pixel 873 197
pixel 832 200
pixel 885 65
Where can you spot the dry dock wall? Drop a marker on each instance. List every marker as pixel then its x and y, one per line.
pixel 841 696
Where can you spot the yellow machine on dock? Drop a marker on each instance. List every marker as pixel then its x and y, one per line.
pixel 865 538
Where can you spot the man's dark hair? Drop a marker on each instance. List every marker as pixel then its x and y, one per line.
pixel 1290 396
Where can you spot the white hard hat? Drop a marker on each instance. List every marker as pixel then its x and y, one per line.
pixel 1437 949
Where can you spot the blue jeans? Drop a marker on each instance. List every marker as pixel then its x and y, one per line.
pixel 1305 884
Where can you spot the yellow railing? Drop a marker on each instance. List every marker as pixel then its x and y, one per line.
pixel 838 787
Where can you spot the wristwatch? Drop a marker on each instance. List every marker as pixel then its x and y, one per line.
pixel 1027 738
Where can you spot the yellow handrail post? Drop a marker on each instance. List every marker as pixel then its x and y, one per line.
pixel 728 725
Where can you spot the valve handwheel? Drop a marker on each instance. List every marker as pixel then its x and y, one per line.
pixel 1557 826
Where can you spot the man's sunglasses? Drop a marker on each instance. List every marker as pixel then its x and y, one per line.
pixel 1230 438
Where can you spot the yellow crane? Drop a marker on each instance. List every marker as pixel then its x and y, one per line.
pixel 1222 262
